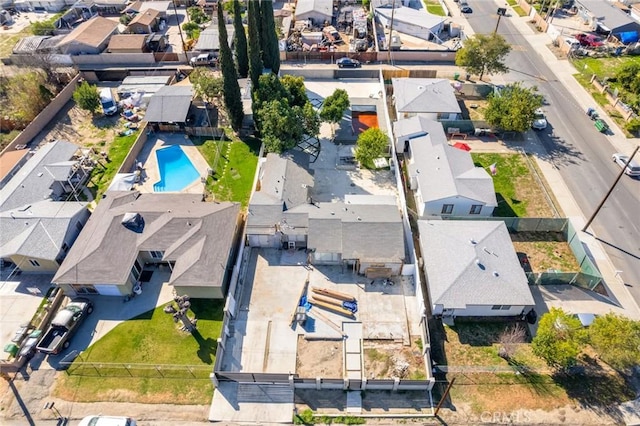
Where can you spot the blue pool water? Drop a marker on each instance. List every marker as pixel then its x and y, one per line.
pixel 176 170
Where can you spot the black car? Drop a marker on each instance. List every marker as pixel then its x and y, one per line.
pixel 348 63
pixel 466 9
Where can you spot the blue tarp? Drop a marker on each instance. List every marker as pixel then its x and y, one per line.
pixel 628 37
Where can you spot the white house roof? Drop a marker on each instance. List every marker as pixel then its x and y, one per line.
pixel 324 7
pixel 209 39
pixel 472 263
pixel 443 171
pixel 427 95
pixel 417 17
pixel 416 126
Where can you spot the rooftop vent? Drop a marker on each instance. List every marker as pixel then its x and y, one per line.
pixel 473 242
pixel 496 274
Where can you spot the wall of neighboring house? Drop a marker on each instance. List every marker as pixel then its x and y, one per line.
pixel 264 241
pixel 200 292
pixel 73 230
pixel 34 264
pixel 42 5
pixel 435 116
pixel 318 258
pixel 137 28
pixel 461 207
pixel 488 311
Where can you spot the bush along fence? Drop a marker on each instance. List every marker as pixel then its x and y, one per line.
pixel 612 97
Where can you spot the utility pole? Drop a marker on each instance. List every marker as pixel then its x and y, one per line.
pixel 393 9
pixel 593 216
pixel 501 12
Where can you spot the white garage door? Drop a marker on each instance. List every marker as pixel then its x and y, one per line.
pixel 108 289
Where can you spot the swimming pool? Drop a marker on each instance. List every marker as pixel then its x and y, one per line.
pixel 176 170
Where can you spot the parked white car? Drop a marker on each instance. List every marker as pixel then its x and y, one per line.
pixel 632 169
pixel 539 120
pixel 107 421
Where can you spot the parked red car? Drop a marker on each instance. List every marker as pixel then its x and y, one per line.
pixel 589 40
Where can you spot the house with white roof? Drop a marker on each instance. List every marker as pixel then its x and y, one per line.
pixel 444 179
pixel 37 225
pixel 472 270
pixel 416 22
pixel 432 98
pixel 318 11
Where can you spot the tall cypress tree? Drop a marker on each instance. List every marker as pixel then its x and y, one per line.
pixel 240 41
pixel 232 97
pixel 269 37
pixel 255 57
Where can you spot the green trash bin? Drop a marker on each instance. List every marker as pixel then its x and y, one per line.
pixel 11 349
pixel 456 76
pixel 601 125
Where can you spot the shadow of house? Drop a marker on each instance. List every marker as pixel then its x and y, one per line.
pixel 193 239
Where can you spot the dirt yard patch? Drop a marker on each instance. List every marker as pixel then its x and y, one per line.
pixel 475 108
pixel 319 358
pixel 544 251
pixel 81 128
pixel 384 359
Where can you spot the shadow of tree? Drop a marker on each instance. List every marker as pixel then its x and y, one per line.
pixel 207 347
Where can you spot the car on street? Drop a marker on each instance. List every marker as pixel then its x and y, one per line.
pixel 466 9
pixel 348 63
pixel 539 120
pixel 632 169
pixel 589 40
pixel 107 421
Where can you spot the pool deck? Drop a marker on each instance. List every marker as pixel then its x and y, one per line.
pixel 149 161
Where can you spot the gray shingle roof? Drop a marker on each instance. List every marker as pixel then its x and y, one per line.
pixel 610 15
pixel 198 236
pixel 170 104
pixel 209 39
pixel 37 231
pixel 443 171
pixel 33 181
pixel 456 279
pixel 285 182
pixel 357 231
pixel 428 95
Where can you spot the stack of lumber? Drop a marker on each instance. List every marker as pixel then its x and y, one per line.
pixel 333 301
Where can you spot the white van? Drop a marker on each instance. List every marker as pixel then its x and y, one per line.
pixel 109 106
pixel 107 421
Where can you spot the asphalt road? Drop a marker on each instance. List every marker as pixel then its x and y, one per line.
pixel 581 153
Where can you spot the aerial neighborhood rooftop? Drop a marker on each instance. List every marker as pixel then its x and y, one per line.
pixel 205 216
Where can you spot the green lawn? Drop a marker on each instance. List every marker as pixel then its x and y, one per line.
pixel 509 169
pixel 520 11
pixel 234 164
pixel 512 2
pixel 140 360
pixel 434 7
pixel 603 67
pixel 101 176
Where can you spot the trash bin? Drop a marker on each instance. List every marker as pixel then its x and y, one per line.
pixel 11 349
pixel 590 111
pixel 456 76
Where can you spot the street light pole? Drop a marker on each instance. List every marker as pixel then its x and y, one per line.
pixel 501 12
pixel 393 9
pixel 593 216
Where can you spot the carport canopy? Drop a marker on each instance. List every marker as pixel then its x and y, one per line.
pixel 170 104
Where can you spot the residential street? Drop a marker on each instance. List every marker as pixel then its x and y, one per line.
pixel 581 154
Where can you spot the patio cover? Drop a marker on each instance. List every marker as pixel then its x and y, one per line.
pixel 170 104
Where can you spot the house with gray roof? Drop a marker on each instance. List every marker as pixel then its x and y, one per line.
pixel 444 179
pixel 417 126
pixel 129 230
pixel 363 233
pixel 432 98
pixel 209 38
pixel 606 16
pixel 37 224
pixel 472 270
pixel 318 11
pixel 284 182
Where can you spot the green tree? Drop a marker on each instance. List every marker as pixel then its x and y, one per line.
pixel 197 15
pixel 27 94
pixel 269 88
pixel 295 89
pixel 371 144
pixel 629 76
pixel 280 128
pixel 43 27
pixel 512 108
pixel 231 88
pixel 192 29
pixel 269 37
pixel 87 97
pixel 559 339
pixel 206 84
pixel 483 54
pixel 255 56
pixel 240 41
pixel 616 339
pixel 334 107
pixel 125 19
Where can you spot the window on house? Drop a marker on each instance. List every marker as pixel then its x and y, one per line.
pixel 136 270
pixel 34 262
pixel 505 307
pixel 475 209
pixel 156 254
pixel 447 208
pixel 65 247
pixel 496 307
